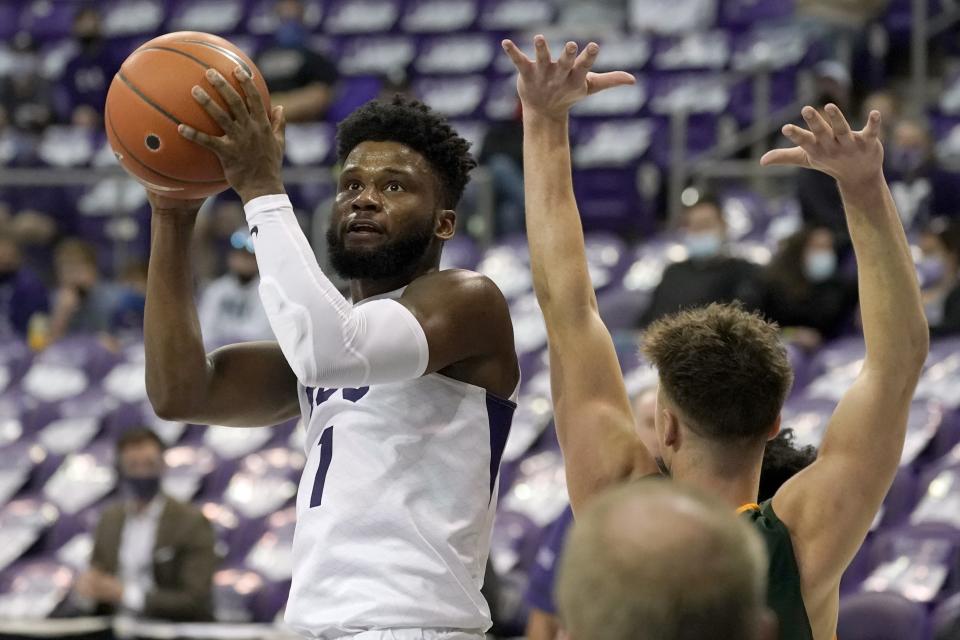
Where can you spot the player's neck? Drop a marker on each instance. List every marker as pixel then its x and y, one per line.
pixel 735 486
pixel 361 289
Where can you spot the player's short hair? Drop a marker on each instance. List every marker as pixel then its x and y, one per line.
pixel 725 369
pixel 653 559
pixel 136 436
pixel 415 125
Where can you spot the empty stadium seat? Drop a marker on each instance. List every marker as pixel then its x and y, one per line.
pixel 881 616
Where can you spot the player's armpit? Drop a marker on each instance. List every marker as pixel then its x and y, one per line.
pixel 466 321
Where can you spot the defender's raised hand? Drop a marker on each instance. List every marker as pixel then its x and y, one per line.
pixel 830 146
pixel 251 147
pixel 551 87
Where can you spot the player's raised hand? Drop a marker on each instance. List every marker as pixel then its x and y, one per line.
pixel 830 146
pixel 251 147
pixel 551 87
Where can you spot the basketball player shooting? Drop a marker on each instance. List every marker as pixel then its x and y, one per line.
pixel 407 393
pixel 723 373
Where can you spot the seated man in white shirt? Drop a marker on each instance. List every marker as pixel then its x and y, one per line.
pixel 230 307
pixel 153 556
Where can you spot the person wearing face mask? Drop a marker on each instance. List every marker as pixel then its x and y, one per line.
pixel 938 271
pixel 709 274
pixel 300 79
pixel 83 303
pixel 803 291
pixel 152 555
pixel 88 73
pixel 910 167
pixel 22 294
pixel 230 307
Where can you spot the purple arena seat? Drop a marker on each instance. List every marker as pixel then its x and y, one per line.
pixel 696 50
pixel 691 92
pixel 309 143
pixel 44 19
pixel 672 16
pixel 742 13
pixel 614 143
pixel 211 16
pixel 375 55
pixel 946 619
pixel 624 51
pixel 770 47
pixel 456 54
pixel 235 534
pixel 9 19
pixel 439 16
pixel 458 97
pixel 22 522
pixel 881 616
pixel 264 20
pixel 187 467
pixel 623 101
pixel 233 592
pixel 515 542
pixel 15 357
pixel 31 590
pixel 66 146
pixel 516 15
pixel 132 17
pixel 230 444
pixel 265 482
pixel 917 562
pixel 83 478
pixel 272 555
pixel 361 16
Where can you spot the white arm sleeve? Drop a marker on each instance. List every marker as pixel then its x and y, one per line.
pixel 327 341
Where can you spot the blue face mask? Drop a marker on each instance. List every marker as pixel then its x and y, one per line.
pixel 291 33
pixel 143 489
pixel 820 265
pixel 702 245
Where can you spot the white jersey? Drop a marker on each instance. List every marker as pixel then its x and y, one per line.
pixel 395 508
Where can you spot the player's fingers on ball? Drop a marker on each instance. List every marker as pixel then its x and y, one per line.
pixel 587 57
pixel 837 120
pixel 216 112
pixel 543 51
pixel 229 94
pixel 251 93
pixel 201 138
pixel 568 56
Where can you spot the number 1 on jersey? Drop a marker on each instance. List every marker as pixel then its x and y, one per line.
pixel 326 454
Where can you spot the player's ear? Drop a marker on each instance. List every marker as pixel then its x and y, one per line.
pixel 446 225
pixel 775 429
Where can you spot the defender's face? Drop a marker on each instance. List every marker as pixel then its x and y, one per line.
pixel 386 192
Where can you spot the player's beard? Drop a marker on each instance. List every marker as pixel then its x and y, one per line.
pixel 386 261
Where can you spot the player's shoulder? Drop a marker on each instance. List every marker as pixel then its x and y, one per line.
pixel 458 282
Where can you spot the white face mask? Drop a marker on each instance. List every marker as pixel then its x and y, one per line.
pixel 820 265
pixel 703 244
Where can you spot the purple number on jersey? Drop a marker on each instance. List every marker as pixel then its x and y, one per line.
pixel 326 454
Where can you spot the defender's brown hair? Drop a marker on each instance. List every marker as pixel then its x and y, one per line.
pixel 725 369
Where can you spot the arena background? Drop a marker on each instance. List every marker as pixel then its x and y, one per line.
pixel 717 79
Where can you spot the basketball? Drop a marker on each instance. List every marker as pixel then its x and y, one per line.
pixel 150 96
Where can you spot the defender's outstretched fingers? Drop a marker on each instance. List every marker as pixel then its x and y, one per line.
pixel 569 55
pixel 519 58
pixel 543 51
pixel 216 112
pixel 230 95
pixel 204 140
pixel 600 81
pixel 798 136
pixel 874 125
pixel 251 94
pixel 794 157
pixel 839 123
pixel 587 57
pixel 817 124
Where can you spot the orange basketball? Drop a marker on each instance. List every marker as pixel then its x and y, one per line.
pixel 150 96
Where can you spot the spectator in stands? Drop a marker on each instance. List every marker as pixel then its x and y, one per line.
pixel 840 24
pixel 654 556
pixel 940 246
pixel 502 155
pixel 909 166
pixel 88 74
pixel 83 302
pixel 230 307
pixel 709 274
pixel 25 95
pixel 218 219
pixel 128 314
pixel 299 78
pixel 152 555
pixel 804 292
pixel 22 294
